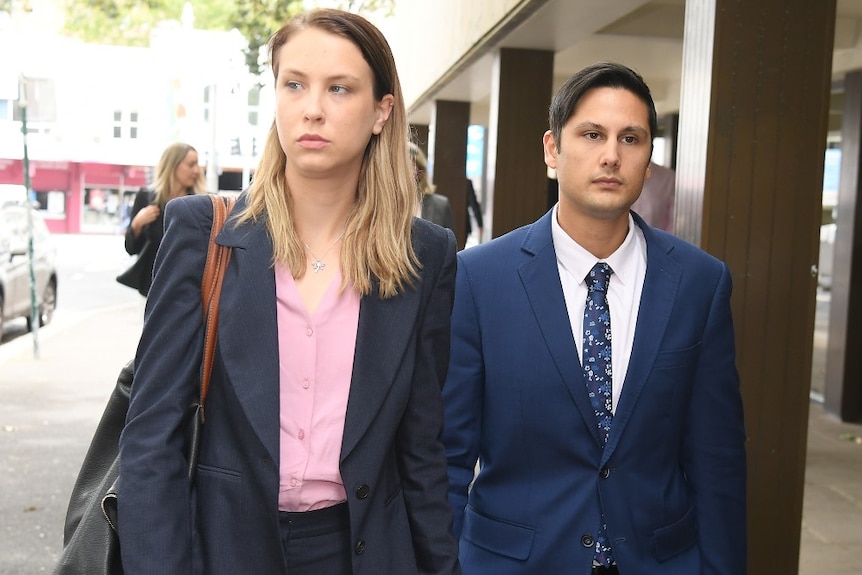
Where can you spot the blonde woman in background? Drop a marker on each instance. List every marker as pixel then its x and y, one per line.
pixel 177 174
pixel 321 450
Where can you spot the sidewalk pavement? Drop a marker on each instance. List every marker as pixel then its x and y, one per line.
pixel 49 410
pixel 51 406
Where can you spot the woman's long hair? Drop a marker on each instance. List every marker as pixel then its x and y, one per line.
pixel 377 242
pixel 426 188
pixel 163 180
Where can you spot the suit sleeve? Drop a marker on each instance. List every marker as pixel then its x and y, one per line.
pixel 154 499
pixel 421 456
pixel 462 395
pixel 713 455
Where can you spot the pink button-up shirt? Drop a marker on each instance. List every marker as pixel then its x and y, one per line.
pixel 315 367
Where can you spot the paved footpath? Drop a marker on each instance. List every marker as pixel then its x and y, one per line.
pixel 49 409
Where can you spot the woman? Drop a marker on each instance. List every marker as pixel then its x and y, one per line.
pixel 320 450
pixel 177 174
pixel 435 208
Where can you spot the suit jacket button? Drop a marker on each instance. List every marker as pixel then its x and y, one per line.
pixel 362 491
pixel 359 548
pixel 605 472
pixel 587 540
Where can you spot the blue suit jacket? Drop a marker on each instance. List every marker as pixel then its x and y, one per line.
pixel 671 479
pixel 392 461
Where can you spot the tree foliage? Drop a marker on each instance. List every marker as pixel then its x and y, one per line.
pixel 129 22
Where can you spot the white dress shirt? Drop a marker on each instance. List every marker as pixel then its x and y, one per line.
pixel 628 263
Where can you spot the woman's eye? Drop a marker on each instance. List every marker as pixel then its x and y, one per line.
pixel 338 89
pixel 292 85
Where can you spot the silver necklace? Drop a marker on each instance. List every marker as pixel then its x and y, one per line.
pixel 317 263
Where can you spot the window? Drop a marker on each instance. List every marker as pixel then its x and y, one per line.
pixel 52 203
pixel 253 104
pixel 126 123
pixel 5 110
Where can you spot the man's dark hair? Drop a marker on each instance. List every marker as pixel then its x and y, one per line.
pixel 600 75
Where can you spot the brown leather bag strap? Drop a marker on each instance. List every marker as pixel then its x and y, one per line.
pixel 217 261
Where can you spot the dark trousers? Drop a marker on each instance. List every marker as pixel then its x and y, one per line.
pixel 612 570
pixel 316 542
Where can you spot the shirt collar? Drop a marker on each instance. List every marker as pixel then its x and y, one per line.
pixel 578 261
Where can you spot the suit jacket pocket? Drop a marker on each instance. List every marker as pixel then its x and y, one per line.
pixel 677 358
pixel 500 537
pixel 673 539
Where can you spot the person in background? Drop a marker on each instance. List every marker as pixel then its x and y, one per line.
pixel 435 208
pixel 321 449
pixel 177 174
pixel 655 204
pixel 592 372
pixel 474 208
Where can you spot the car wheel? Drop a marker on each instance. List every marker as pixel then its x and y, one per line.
pixel 46 309
pixel 49 304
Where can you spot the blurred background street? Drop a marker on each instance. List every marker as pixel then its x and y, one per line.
pixel 50 406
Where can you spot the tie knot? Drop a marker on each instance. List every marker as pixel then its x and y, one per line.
pixel 597 279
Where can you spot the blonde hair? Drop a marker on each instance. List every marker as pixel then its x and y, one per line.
pixel 172 157
pixel 426 188
pixel 377 240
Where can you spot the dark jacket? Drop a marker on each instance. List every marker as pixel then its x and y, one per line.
pixel 145 246
pixel 392 460
pixel 436 208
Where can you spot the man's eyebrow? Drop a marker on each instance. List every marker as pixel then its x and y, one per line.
pixel 588 126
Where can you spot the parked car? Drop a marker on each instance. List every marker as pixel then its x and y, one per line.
pixel 15 293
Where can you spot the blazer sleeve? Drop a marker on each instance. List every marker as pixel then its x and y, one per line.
pixel 462 395
pixel 133 244
pixel 420 451
pixel 713 449
pixel 154 498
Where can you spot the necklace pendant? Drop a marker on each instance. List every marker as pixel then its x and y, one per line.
pixel 317 266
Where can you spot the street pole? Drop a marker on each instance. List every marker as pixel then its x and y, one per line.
pixel 34 309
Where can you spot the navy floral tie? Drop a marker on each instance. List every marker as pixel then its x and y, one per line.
pixel 597 367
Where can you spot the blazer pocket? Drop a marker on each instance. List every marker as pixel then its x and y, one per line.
pixel 500 537
pixel 676 358
pixel 673 539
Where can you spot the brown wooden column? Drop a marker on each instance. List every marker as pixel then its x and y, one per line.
pixel 753 119
pixel 517 176
pixel 843 391
pixel 448 158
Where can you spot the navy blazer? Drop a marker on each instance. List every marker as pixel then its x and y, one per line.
pixel 671 478
pixel 392 460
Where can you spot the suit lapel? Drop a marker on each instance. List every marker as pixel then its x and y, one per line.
pixel 385 331
pixel 661 286
pixel 541 280
pixel 248 331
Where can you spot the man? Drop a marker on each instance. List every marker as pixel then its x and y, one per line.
pixel 655 204
pixel 634 464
